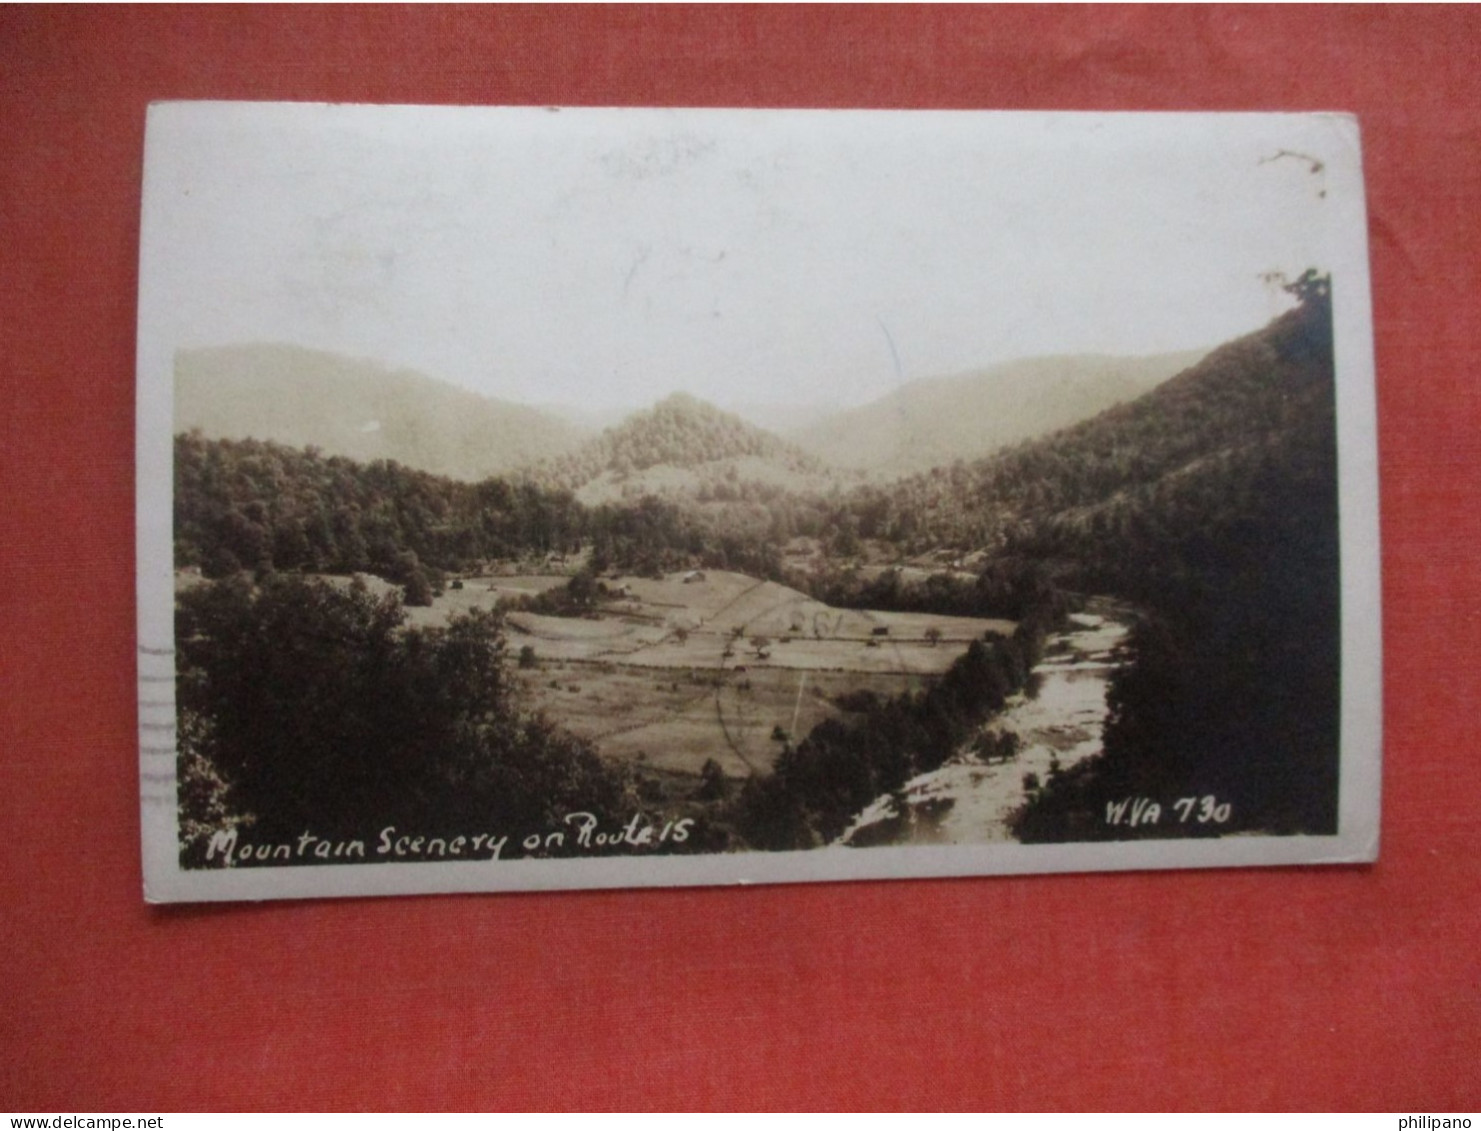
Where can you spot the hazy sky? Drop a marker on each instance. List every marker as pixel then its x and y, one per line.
pixel 604 258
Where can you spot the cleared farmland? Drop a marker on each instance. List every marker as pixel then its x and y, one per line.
pixel 678 670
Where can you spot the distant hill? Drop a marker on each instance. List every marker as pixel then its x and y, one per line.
pixel 930 423
pixel 681 445
pixel 352 407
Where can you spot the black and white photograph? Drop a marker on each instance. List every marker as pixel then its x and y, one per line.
pixel 554 497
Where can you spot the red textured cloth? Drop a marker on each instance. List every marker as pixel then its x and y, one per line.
pixel 1343 987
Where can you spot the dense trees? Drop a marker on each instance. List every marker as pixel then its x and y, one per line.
pixel 816 788
pixel 249 504
pixel 679 431
pixel 306 705
pixel 1010 587
pixel 257 505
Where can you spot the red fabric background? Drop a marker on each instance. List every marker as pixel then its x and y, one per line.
pixel 1345 987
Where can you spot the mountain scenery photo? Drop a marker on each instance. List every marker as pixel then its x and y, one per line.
pixel 668 506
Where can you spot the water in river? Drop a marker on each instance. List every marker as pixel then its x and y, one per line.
pixel 967 801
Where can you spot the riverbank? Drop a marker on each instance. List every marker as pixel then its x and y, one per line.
pixel 1059 721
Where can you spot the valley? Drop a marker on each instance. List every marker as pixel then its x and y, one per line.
pixel 691 613
pixel 671 672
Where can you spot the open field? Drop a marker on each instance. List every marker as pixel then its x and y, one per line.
pixel 674 721
pixel 674 671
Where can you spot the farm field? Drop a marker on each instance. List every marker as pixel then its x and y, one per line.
pixel 674 721
pixel 674 672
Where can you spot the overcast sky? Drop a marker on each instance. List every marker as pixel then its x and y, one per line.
pixel 605 258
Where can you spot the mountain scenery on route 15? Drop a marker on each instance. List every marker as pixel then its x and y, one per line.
pixel 772 495
pixel 688 617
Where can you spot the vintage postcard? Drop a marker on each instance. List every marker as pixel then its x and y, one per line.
pixel 550 498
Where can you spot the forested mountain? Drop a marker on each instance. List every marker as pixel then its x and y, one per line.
pixel 251 504
pixel 1071 489
pixel 350 407
pixel 678 432
pixel 1211 504
pixel 934 422
pixel 262 506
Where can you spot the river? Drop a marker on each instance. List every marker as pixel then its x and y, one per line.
pixel 968 801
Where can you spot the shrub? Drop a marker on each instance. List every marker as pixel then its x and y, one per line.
pixel 418 588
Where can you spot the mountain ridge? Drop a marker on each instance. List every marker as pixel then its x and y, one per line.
pixel 360 409
pixel 366 411
pixel 934 421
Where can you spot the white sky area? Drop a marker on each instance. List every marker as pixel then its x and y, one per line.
pixel 602 259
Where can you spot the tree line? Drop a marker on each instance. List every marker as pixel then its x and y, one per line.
pixel 263 507
pixel 257 505
pixel 817 787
